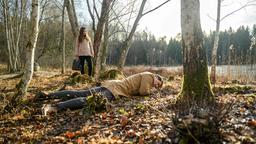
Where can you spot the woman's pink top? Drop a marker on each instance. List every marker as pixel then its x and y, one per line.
pixel 84 48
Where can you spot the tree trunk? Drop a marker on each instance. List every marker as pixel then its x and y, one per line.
pixel 63 39
pixel 215 45
pixel 127 43
pixel 91 15
pixel 30 48
pixel 98 35
pixel 105 46
pixel 196 85
pixel 72 18
pixel 74 12
pixel 5 14
pixel 13 27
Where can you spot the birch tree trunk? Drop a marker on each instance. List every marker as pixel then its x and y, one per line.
pixel 127 43
pixel 215 45
pixel 30 49
pixel 13 25
pixel 98 35
pixel 5 14
pixel 196 85
pixel 18 26
pixel 63 39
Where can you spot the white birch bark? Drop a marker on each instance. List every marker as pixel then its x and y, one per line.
pixel 63 39
pixel 13 27
pixel 5 14
pixel 215 45
pixel 30 49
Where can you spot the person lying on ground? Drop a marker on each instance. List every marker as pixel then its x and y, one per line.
pixel 140 84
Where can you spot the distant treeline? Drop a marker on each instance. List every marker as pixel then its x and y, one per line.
pixel 146 49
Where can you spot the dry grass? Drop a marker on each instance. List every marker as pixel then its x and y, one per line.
pixel 3 69
pixel 163 71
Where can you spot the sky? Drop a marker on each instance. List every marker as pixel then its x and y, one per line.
pixel 165 21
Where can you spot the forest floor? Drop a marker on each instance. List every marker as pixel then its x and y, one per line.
pixel 137 120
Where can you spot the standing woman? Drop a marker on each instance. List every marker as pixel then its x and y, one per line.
pixel 84 50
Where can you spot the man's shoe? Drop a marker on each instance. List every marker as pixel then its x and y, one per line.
pixel 49 109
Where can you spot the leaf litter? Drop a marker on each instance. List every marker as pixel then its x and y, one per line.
pixel 138 120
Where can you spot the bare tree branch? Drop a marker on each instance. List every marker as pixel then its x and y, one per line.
pixel 91 15
pixel 120 11
pixel 156 7
pixel 117 17
pixel 58 4
pixel 119 20
pixel 44 4
pixel 211 17
pixel 250 3
pixel 95 9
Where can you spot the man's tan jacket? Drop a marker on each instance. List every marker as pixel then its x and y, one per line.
pixel 138 84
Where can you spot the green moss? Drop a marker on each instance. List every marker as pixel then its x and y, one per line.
pixel 95 103
pixel 239 89
pixel 123 111
pixel 196 84
pixel 111 74
pixel 78 78
pixel 141 107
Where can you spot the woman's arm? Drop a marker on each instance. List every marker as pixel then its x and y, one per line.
pixel 91 48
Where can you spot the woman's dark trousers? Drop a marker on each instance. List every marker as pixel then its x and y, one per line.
pixel 77 99
pixel 89 64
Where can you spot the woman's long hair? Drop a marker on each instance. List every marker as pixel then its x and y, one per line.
pixel 83 36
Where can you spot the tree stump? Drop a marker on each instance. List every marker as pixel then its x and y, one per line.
pixel 198 127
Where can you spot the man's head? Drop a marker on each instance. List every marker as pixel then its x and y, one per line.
pixel 158 81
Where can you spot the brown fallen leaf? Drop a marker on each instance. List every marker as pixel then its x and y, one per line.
pixel 80 140
pixel 130 133
pixel 252 123
pixel 123 120
pixel 78 133
pixel 242 109
pixel 86 129
pixel 141 140
pixel 104 115
pixel 69 135
pixel 18 117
